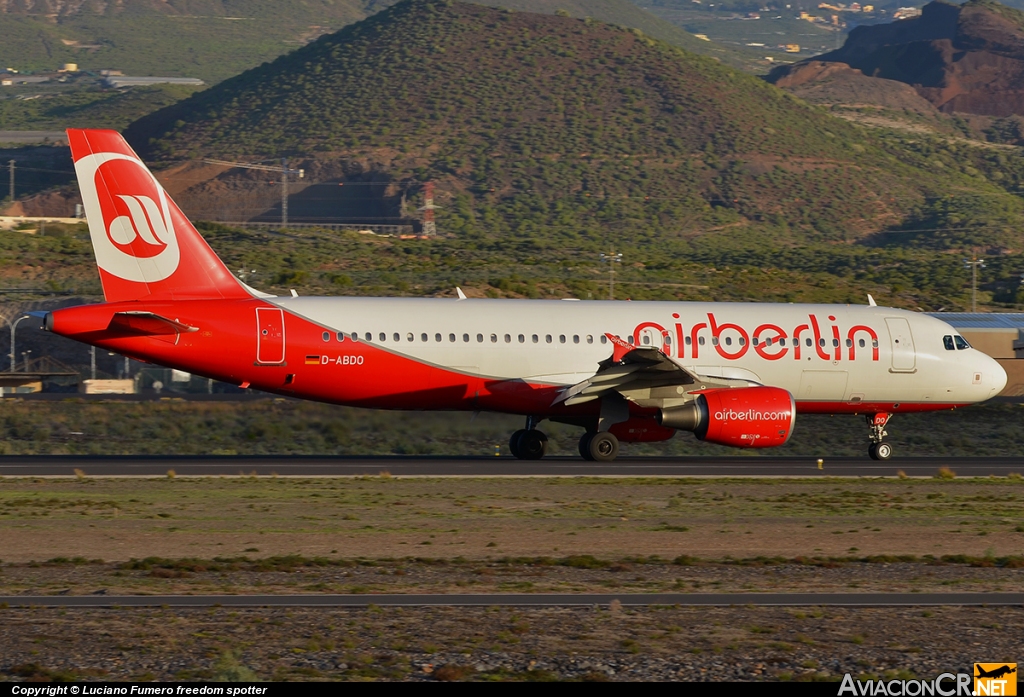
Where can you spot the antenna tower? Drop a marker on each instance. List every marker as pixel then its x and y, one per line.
pixel 429 229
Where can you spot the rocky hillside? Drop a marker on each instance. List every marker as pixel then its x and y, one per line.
pixel 961 59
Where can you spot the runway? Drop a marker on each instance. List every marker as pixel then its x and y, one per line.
pixel 414 466
pixel 521 600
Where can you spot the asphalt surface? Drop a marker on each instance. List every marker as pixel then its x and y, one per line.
pixel 519 600
pixel 121 466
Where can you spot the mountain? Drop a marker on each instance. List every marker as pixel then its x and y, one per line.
pixel 551 128
pixel 961 59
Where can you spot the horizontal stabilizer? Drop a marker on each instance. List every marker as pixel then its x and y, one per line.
pixel 149 324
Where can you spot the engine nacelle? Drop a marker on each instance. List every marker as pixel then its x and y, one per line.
pixel 742 417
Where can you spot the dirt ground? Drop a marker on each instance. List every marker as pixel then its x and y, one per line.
pixel 82 536
pixel 377 517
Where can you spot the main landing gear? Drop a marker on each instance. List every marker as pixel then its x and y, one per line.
pixel 879 450
pixel 528 443
pixel 599 447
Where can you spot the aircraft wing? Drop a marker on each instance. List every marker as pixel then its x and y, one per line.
pixel 628 368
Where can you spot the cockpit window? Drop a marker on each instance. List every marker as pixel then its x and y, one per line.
pixel 961 343
pixel 947 341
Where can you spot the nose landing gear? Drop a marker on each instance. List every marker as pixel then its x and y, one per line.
pixel 878 450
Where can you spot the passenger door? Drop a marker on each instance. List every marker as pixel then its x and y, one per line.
pixel 904 356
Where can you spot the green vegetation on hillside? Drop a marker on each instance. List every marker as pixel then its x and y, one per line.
pixel 567 130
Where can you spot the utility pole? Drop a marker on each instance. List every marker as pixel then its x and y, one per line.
pixel 14 326
pixel 92 361
pixel 10 164
pixel 612 258
pixel 974 263
pixel 284 170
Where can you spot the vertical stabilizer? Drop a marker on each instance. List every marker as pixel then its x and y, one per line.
pixel 145 246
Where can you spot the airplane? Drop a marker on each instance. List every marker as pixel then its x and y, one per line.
pixel 734 374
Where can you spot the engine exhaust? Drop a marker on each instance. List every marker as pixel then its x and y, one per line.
pixel 689 417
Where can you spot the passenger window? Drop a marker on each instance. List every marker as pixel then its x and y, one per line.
pixel 575 338
pixel 383 336
pixel 961 343
pixel 700 341
pixel 689 340
pixel 590 338
pixel 646 340
pixel 398 337
pixel 536 338
pixel 437 337
pixel 410 337
pixel 355 336
pixel 479 338
pixel 522 338
pixel 728 341
pixel 451 338
pixel 874 343
pixel 782 341
pixel 465 338
pixel 821 342
pixel 369 336
pixel 743 342
pixel 341 336
pixel 668 340
pixel 424 338
pixel 808 341
pixel 714 341
pixel 861 343
pixel 494 338
pixel 947 342
pixel 326 336
pixel 508 338
pixel 849 343
pixel 561 338
pixel 604 339
pixel 547 338
pixel 835 342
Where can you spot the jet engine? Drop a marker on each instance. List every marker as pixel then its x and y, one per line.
pixel 742 417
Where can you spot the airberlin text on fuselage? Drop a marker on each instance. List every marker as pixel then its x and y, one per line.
pixel 769 341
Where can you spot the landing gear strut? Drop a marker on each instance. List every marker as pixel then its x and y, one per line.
pixel 528 443
pixel 878 450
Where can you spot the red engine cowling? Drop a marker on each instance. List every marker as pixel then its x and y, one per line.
pixel 742 417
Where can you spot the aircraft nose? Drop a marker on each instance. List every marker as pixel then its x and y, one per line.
pixel 993 377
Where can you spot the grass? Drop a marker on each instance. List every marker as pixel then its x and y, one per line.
pixel 300 523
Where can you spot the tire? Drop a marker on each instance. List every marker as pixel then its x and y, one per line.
pixel 532 445
pixel 873 451
pixel 883 451
pixel 603 447
pixel 585 446
pixel 513 443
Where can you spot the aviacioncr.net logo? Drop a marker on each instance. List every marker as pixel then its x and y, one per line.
pixel 129 218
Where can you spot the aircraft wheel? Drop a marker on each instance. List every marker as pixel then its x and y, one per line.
pixel 880 451
pixel 603 447
pixel 532 445
pixel 585 446
pixel 513 443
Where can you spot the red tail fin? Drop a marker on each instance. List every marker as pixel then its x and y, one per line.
pixel 145 246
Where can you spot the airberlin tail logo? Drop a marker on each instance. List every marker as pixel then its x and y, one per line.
pixel 129 218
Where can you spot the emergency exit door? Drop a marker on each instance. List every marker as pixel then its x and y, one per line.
pixel 269 335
